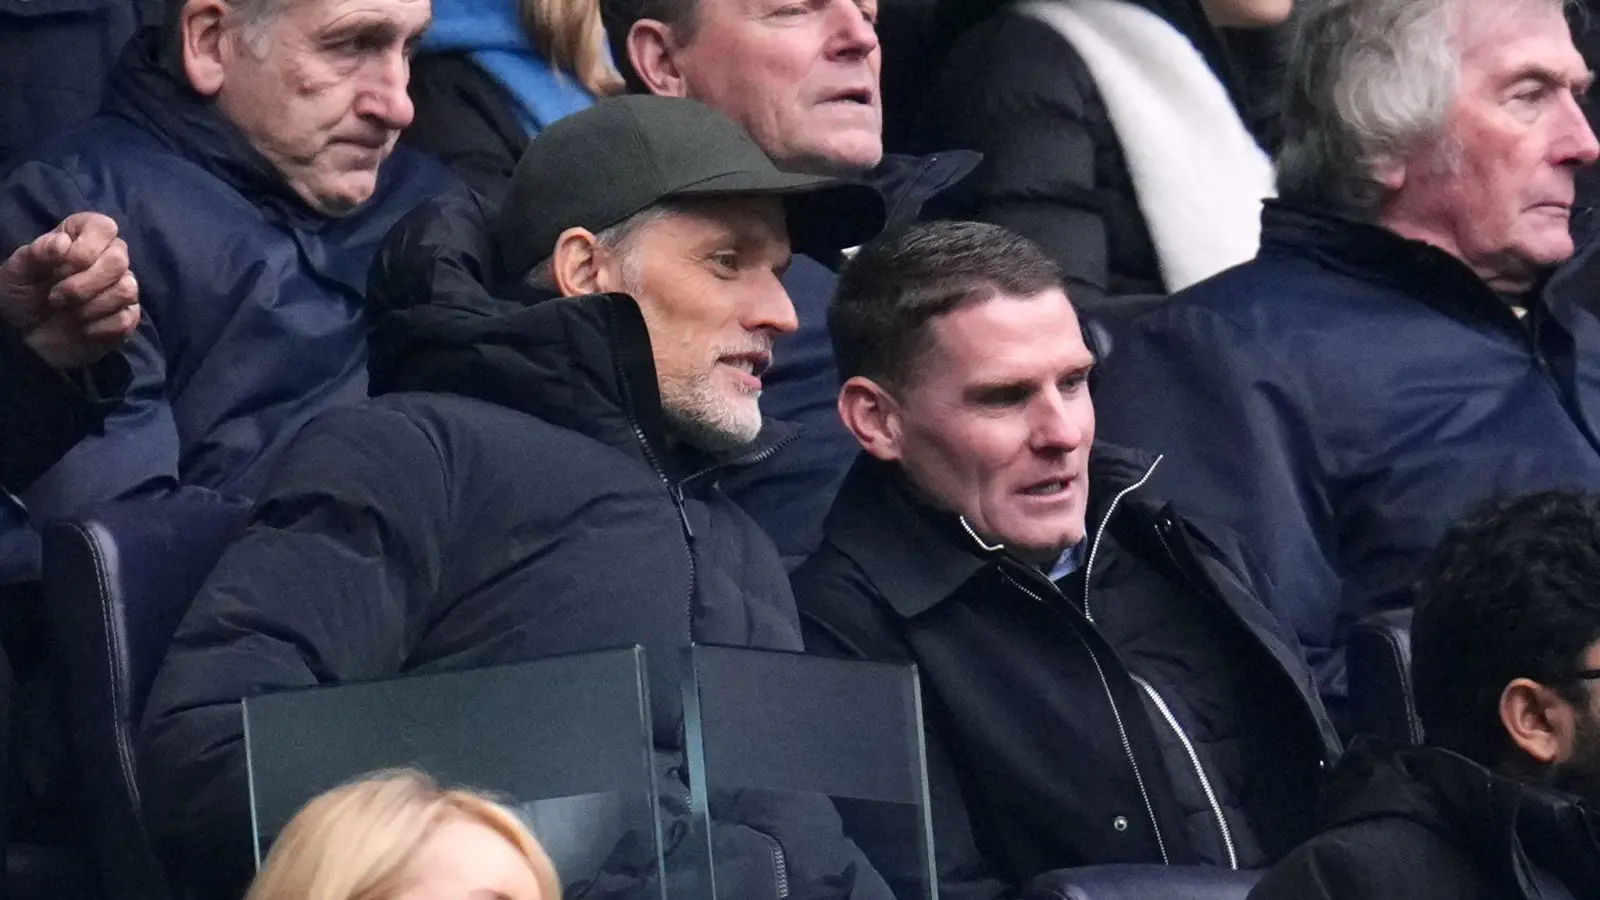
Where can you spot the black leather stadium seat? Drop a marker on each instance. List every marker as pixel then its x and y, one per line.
pixel 1143 883
pixel 117 583
pixel 1378 658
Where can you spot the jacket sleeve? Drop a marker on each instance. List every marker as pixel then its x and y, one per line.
pixel 1016 91
pixel 1375 859
pixel 43 413
pixel 136 453
pixel 840 618
pixel 466 120
pixel 346 541
pixel 1239 449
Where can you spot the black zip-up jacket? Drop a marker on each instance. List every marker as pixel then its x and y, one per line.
pixel 1421 823
pixel 1122 723
pixel 508 494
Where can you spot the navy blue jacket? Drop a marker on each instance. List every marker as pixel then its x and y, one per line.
pixel 790 495
pixel 475 512
pixel 1343 397
pixel 252 302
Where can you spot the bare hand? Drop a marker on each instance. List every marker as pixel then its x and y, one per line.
pixel 69 293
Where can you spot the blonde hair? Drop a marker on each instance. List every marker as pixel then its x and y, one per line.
pixel 568 34
pixel 354 842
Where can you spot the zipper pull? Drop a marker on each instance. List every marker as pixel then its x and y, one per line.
pixel 683 512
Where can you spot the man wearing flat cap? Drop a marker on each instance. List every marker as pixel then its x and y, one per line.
pixel 535 474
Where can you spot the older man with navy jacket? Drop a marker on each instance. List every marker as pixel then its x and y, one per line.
pixel 244 151
pixel 1399 348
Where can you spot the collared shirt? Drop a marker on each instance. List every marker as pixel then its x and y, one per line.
pixel 1070 561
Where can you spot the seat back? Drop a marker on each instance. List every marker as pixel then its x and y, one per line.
pixel 116 585
pixel 1131 882
pixel 1378 660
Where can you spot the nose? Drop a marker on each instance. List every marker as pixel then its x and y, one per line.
pixel 772 310
pixel 854 35
pixel 383 98
pixel 1577 145
pixel 1063 422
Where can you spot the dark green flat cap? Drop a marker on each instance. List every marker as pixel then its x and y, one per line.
pixel 595 168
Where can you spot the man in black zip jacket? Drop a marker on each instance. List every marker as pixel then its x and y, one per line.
pixel 1500 801
pixel 1101 683
pixel 534 477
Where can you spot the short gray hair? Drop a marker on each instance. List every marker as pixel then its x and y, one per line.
pixel 1368 81
pixel 618 239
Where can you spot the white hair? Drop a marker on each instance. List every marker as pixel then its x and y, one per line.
pixel 1369 80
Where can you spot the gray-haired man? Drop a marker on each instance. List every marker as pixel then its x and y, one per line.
pixel 1398 349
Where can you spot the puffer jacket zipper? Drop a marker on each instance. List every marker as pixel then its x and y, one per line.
pixel 780 864
pixel 1199 770
pixel 1116 714
pixel 780 861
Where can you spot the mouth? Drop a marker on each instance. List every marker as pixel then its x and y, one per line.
pixel 753 364
pixel 856 97
pixel 1049 488
pixel 371 145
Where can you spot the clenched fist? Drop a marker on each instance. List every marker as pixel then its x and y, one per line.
pixel 69 293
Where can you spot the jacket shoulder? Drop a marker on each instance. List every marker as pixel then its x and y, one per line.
pixel 1390 857
pixel 842 612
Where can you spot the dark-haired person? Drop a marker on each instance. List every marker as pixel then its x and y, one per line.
pixel 801 78
pixel 1102 683
pixel 246 152
pixel 1500 801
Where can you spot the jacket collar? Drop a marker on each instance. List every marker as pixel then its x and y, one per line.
pixel 907 183
pixel 1373 253
pixel 1495 820
pixel 581 363
pixel 917 556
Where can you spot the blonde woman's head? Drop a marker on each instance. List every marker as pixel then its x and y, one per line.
pixel 570 36
pixel 399 836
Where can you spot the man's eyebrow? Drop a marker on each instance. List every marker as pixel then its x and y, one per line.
pixel 1535 71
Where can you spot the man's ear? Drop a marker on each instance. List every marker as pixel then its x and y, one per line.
pixel 1390 172
pixel 203 42
pixel 578 265
pixel 1538 720
pixel 654 54
pixel 873 416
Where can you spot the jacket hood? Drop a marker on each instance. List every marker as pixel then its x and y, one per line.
pixel 144 91
pixel 1499 822
pixel 581 363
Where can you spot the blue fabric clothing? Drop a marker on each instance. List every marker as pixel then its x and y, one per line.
pixel 490 32
pixel 1343 397
pixel 253 320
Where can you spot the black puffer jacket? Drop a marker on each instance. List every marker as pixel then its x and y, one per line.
pixel 1050 708
pixel 1017 91
pixel 509 495
pixel 1419 823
